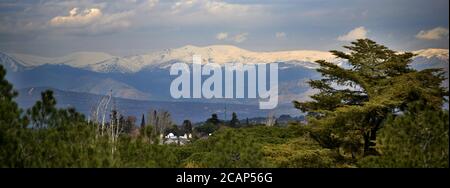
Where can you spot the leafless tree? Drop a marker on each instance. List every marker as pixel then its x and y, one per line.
pixel 114 127
pixel 99 111
pixel 271 119
pixel 160 120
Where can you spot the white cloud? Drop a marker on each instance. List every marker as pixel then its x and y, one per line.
pixel 222 36
pixel 91 21
pixel 240 37
pixel 152 3
pixel 77 18
pixel 357 33
pixel 215 7
pixel 188 12
pixel 220 8
pixel 94 16
pixel 433 34
pixel 280 35
pixel 182 5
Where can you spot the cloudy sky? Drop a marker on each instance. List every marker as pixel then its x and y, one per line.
pixel 53 27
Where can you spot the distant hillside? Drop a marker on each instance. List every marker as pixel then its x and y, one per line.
pixel 194 111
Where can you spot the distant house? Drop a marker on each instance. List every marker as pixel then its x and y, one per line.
pixel 173 139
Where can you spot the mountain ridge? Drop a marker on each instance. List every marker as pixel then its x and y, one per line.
pixel 180 110
pixel 152 80
pixel 221 54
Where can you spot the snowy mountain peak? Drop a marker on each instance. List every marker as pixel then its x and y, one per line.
pixel 221 54
pixel 433 52
pixel 10 63
pixel 225 54
pixel 78 59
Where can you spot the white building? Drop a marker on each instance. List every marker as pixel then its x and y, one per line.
pixel 172 139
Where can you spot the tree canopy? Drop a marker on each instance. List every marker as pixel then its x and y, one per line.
pixel 353 101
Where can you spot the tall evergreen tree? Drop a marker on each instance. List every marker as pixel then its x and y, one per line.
pixel 129 124
pixel 213 120
pixel 44 111
pixel 9 110
pixel 234 120
pixel 45 114
pixel 187 126
pixel 143 121
pixel 11 124
pixel 353 102
pixel 413 140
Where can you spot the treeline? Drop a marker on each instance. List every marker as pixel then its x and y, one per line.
pixel 377 112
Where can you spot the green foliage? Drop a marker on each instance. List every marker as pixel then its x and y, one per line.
pixel 234 122
pixel 9 111
pixel 259 146
pixel 173 129
pixel 301 152
pixel 128 124
pixel 207 128
pixel 45 114
pixel 10 122
pixel 226 148
pixel 413 140
pixel 353 103
pixel 139 153
pixel 143 121
pixel 211 125
pixel 187 126
pixel 213 120
pixel 148 134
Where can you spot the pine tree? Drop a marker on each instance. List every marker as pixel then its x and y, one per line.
pixel 213 120
pixel 128 124
pixel 12 125
pixel 352 103
pixel 418 140
pixel 9 110
pixel 44 111
pixel 143 121
pixel 187 126
pixel 234 120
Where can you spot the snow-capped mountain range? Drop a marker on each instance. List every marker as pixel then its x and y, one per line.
pixel 146 77
pixel 441 54
pixel 221 54
pixel 101 62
